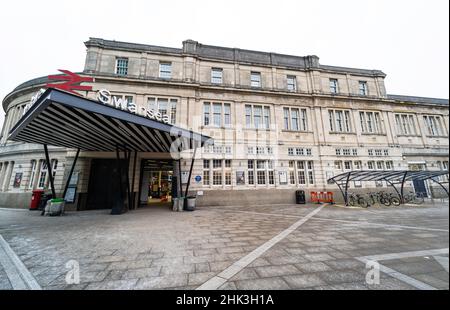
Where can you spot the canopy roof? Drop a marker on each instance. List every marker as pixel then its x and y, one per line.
pixel 386 175
pixel 62 119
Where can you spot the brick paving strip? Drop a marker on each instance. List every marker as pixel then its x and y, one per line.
pixel 220 279
pixel 400 276
pixel 18 275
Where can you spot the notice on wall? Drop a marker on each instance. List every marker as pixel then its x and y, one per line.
pixel 70 194
pixel 74 178
pixel 17 179
pixel 184 177
pixel 240 178
pixel 283 177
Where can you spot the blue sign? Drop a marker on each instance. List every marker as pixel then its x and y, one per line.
pixel 198 178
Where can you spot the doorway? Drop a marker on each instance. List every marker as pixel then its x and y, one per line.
pixel 104 184
pixel 158 184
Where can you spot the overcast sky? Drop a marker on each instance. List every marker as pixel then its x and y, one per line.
pixel 407 39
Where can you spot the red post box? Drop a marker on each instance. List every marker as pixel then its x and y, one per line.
pixel 35 199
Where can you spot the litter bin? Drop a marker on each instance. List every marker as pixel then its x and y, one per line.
pixel 300 197
pixel 190 205
pixel 175 202
pixel 43 201
pixel 181 201
pixel 36 199
pixel 56 207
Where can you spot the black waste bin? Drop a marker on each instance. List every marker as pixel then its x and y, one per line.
pixel 43 202
pixel 300 197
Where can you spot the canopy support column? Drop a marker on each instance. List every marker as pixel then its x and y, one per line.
pixel 346 189
pixel 132 180
pixel 190 171
pixel 395 188
pixel 402 195
pixel 49 169
pixel 70 173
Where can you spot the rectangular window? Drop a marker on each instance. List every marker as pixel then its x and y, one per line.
pixel 122 66
pixel 347 165
pixel 257 116
pixel 217 114
pixel 216 75
pixel 294 119
pixel 433 125
pixel 251 176
pixel 362 88
pixel 371 165
pixel 217 177
pixel 358 165
pixel 206 167
pixel 386 152
pixel 338 152
pixel 380 165
pixel 370 122
pixel 346 152
pixel 42 175
pixel 370 152
pixel 355 152
pixel 308 152
pixel 338 165
pixel 255 79
pixel 405 124
pixel 378 153
pixel 291 83
pixel 299 151
pixel 286 118
pixel 166 106
pixel 165 70
pixel 292 177
pixel 389 165
pixel 334 86
pixel 301 177
pixel 291 151
pixel 339 121
pixel 32 174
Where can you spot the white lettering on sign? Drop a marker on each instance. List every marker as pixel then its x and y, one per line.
pixel 104 96
pixel 33 100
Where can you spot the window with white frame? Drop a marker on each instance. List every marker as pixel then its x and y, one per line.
pixel 386 152
pixel 371 165
pixel 257 116
pixel 32 174
pixel 434 125
pixel 165 106
pixel 206 171
pixel 54 163
pixel 299 151
pixel 165 70
pixel 339 120
pixel 338 164
pixel 217 114
pixel 303 171
pixel 334 86
pixel 370 152
pixel 380 165
pixel 291 82
pixel 370 122
pixel 219 169
pixel 363 88
pixel 405 124
pixel 217 75
pixel 389 165
pixel 295 119
pixel 347 165
pixel 122 66
pixel 358 165
pixel 292 172
pixel 355 152
pixel 346 152
pixel 378 152
pixel 255 79
pixel 338 152
pixel 264 171
pixel 43 175
pixel 251 172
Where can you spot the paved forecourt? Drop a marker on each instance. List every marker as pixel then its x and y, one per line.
pixel 236 247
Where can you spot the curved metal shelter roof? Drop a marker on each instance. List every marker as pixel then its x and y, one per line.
pixel 386 175
pixel 392 177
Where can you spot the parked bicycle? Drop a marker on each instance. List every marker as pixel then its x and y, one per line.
pixel 383 198
pixel 354 199
pixel 415 198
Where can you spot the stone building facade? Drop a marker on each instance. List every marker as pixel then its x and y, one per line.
pixel 280 123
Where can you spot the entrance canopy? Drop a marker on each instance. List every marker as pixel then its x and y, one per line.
pixel 392 177
pixel 62 119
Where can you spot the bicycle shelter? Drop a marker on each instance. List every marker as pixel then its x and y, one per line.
pixel 394 178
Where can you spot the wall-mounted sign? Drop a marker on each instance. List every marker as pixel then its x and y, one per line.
pixel 72 81
pixel 240 178
pixel 71 84
pixel 17 179
pixel 184 177
pixel 283 177
pixel 198 178
pixel 105 97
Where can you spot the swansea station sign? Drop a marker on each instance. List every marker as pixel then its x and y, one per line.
pixel 71 83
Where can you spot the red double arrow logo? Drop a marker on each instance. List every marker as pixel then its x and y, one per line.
pixel 72 83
